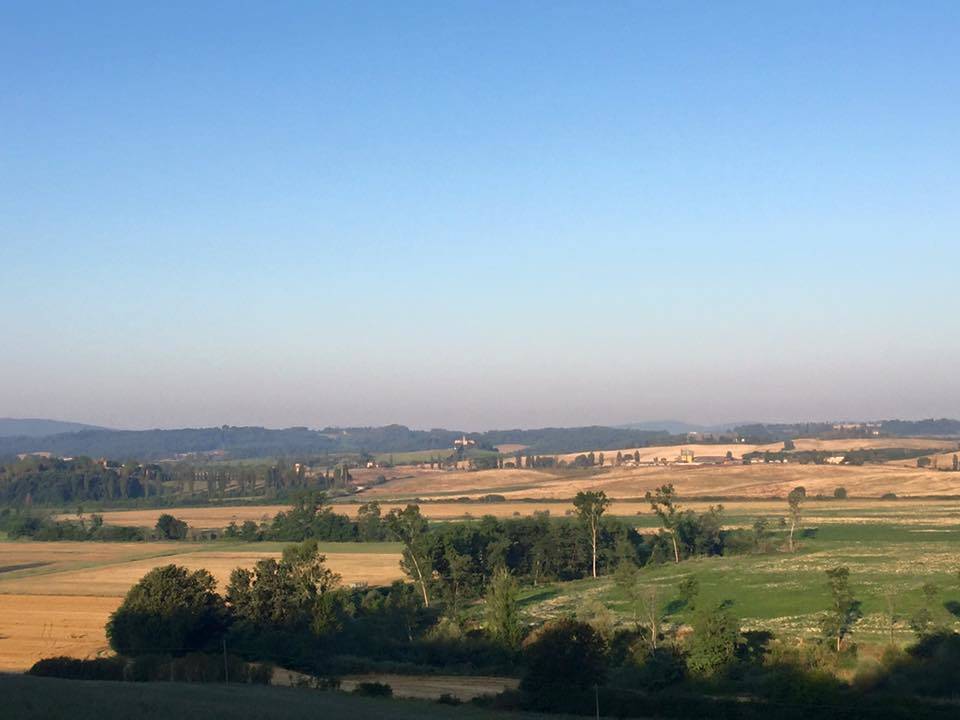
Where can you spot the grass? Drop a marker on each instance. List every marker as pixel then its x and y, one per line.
pixel 787 593
pixel 29 698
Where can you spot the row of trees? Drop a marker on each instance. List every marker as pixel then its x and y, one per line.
pixel 292 611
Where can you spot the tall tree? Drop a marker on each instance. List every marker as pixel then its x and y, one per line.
pixel 590 507
pixel 503 611
pixel 844 610
pixel 795 507
pixel 369 525
pixel 410 527
pixel 663 504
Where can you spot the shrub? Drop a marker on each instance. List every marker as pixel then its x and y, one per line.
pixel 74 669
pixel 565 654
pixel 373 689
pixel 171 611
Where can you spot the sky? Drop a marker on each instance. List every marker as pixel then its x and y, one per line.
pixel 478 214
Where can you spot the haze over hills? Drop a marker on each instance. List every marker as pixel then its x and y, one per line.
pixel 678 427
pixel 247 442
pixel 40 427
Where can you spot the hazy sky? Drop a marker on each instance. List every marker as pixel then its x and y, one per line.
pixel 478 214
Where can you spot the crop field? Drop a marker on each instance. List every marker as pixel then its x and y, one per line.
pixel 56 597
pixel 737 512
pixel 756 480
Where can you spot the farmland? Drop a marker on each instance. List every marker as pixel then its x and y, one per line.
pixel 756 480
pixel 787 593
pixel 56 597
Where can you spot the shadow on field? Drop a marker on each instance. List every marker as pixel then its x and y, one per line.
pixel 545 594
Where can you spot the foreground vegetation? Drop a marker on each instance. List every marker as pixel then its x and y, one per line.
pixel 685 620
pixel 33 698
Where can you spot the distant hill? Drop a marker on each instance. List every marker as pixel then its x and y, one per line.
pixel 39 427
pixel 248 442
pixel 677 427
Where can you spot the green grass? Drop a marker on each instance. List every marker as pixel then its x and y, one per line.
pixel 787 593
pixel 29 698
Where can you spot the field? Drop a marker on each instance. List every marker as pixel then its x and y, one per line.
pixel 889 558
pixel 756 480
pixel 56 597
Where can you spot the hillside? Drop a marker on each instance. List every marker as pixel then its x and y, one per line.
pixel 39 427
pixel 248 442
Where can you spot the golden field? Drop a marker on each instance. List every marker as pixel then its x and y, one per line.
pixel 755 480
pixel 56 597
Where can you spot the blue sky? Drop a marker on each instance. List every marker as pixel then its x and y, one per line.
pixel 478 214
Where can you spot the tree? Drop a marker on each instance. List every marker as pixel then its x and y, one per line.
pixel 290 593
pixel 600 460
pixel 840 619
pixel 921 622
pixel 761 532
pixel 503 611
pixel 565 654
pixel 644 601
pixel 590 507
pixel 170 610
pixel 714 642
pixel 789 445
pixel 688 589
pixel 410 527
pixel 369 525
pixel 840 493
pixel 169 528
pixel 794 505
pixel 662 503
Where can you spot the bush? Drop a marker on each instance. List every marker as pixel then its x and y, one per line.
pixel 169 611
pixel 74 669
pixel 564 655
pixel 373 689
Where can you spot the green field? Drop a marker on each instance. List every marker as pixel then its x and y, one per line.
pixel 30 698
pixel 786 593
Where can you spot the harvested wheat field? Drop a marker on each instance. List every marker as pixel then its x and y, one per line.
pixel 34 627
pixel 56 597
pixel 671 452
pixel 755 480
pixel 116 578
